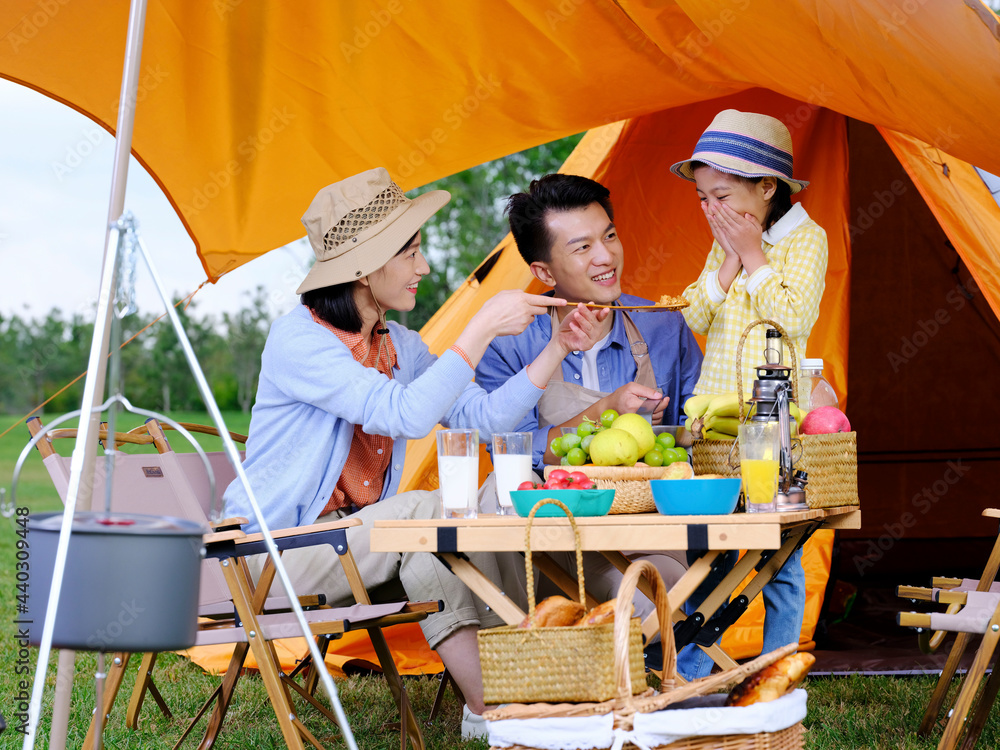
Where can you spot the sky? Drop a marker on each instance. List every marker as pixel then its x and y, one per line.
pixel 55 188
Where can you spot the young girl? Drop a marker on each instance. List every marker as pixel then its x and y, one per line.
pixel 768 261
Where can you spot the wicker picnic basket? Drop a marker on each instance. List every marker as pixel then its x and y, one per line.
pixel 570 663
pixel 628 701
pixel 831 460
pixel 630 483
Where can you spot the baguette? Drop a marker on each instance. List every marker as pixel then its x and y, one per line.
pixel 772 681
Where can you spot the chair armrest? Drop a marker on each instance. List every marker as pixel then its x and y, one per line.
pixel 235 543
pixel 303 531
pixel 225 524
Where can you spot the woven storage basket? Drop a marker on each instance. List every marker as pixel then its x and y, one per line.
pixel 630 483
pixel 831 460
pixel 563 664
pixel 787 739
pixel 628 702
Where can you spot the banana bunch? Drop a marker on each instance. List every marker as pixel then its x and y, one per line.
pixel 713 416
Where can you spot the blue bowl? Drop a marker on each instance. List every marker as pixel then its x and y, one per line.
pixel 580 502
pixel 695 497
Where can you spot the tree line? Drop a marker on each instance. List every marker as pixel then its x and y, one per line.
pixel 39 356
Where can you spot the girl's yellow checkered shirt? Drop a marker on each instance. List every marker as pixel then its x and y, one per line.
pixel 787 290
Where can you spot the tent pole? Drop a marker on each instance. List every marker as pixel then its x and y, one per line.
pixel 85 450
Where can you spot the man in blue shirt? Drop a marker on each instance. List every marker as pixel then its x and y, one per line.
pixel 564 229
pixel 565 232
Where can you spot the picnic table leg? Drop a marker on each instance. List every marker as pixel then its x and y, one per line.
pixel 621 562
pixel 566 582
pixel 795 539
pixel 698 621
pixel 483 587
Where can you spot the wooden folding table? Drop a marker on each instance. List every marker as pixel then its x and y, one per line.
pixel 768 538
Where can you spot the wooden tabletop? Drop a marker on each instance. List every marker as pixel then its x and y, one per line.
pixel 489 533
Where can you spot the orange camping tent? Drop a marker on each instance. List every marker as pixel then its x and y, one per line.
pixel 245 109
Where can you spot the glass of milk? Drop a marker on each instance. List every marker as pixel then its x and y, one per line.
pixel 512 465
pixel 458 472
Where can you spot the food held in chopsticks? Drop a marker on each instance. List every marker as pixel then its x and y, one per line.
pixel 772 681
pixel 668 300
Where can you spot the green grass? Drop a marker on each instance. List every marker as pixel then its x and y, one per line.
pixel 851 712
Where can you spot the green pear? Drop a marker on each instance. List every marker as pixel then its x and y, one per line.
pixel 613 447
pixel 637 426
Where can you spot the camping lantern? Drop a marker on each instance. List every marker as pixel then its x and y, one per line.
pixel 771 392
pixel 131 581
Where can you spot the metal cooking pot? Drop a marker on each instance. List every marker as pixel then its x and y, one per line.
pixel 130 584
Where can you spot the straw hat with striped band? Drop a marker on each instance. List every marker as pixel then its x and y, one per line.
pixel 357 225
pixel 745 144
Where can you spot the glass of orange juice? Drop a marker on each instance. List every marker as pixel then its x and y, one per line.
pixel 760 448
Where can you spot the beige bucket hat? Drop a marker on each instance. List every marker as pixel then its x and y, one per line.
pixel 357 225
pixel 745 144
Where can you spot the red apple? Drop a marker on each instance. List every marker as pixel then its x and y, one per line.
pixel 825 420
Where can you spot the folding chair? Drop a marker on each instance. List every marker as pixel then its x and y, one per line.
pixel 233 608
pixel 973 608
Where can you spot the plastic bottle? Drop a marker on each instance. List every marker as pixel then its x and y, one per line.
pixel 815 389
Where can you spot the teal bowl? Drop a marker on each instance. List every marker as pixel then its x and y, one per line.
pixel 580 502
pixel 695 497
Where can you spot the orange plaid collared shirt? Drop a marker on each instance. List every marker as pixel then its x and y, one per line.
pixel 361 480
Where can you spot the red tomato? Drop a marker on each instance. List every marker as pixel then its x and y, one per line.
pixel 527 485
pixel 578 476
pixel 558 475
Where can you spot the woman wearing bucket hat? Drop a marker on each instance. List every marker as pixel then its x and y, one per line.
pixel 341 390
pixel 768 260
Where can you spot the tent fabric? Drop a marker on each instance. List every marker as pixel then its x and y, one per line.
pixel 923 344
pixel 268 102
pixel 962 203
